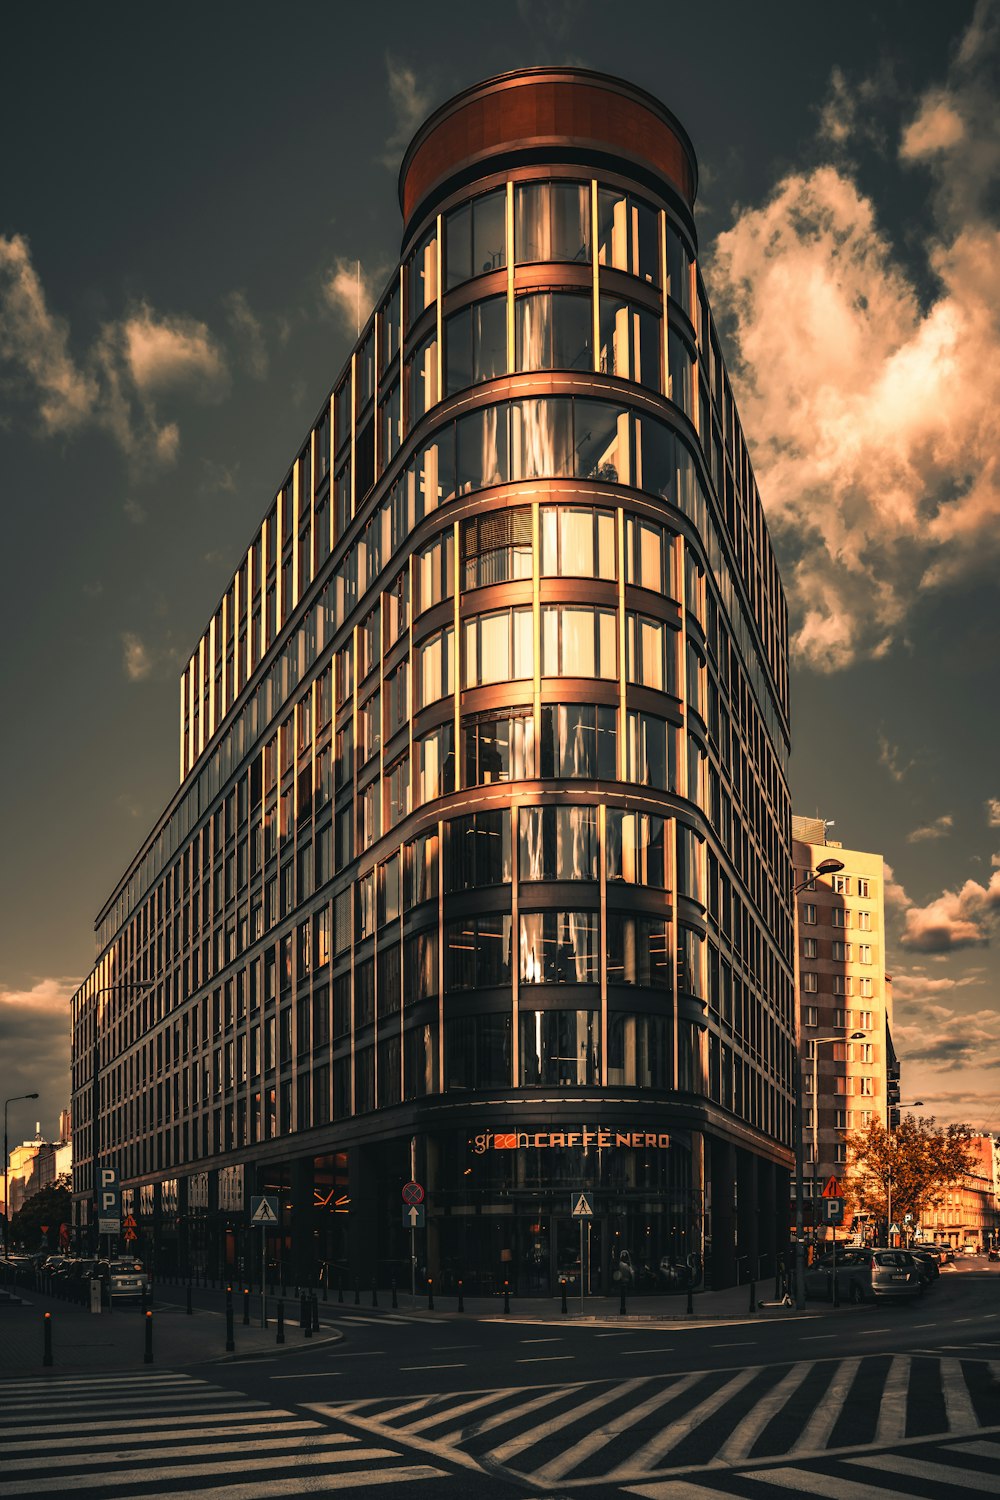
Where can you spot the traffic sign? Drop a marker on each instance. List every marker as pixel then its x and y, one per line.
pixel 108 1226
pixel 894 1229
pixel 414 1216
pixel 413 1192
pixel 129 1222
pixel 833 1211
pixel 907 1218
pixel 583 1206
pixel 129 1236
pixel 832 1189
pixel 263 1210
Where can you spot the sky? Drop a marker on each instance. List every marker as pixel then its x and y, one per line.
pixel 182 207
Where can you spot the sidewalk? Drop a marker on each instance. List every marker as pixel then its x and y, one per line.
pixel 732 1303
pixel 99 1343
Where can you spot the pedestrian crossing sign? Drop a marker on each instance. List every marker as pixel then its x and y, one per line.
pixel 263 1210
pixel 583 1206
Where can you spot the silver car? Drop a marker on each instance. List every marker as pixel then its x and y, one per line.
pixel 895 1275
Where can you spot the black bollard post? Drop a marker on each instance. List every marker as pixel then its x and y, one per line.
pixel 777 1278
pixel 230 1337
pixel 47 1339
pixel 430 1294
pixel 325 1280
pixel 305 1316
pixel 281 1323
pixel 461 1296
pixel 314 1310
pixel 835 1286
pixel 395 1299
pixel 246 1307
pixel 621 1304
pixel 147 1354
pixel 562 1287
pixel 753 1296
pixel 690 1303
pixel 189 1309
pixel 340 1289
pixel 506 1296
pixel 374 1293
pixel 357 1292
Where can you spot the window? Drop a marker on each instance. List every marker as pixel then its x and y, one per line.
pixel 842 1018
pixel 864 953
pixel 638 1051
pixel 650 751
pixel 496 547
pixel 577 542
pixel 436 763
pixel 579 740
pixel 864 889
pixel 809 911
pixel 866 1086
pixel 579 642
pixel 560 1047
pixel 558 843
pixel 477 1051
pixel 498 746
pixel 680 373
pixel 678 269
pixel 423 276
pixel 842 917
pixel 554 331
pixel 841 885
pixel 475 346
pixel 422 377
pixel 635 848
pixel 843 984
pixel 631 345
pixel 542 439
pixel 435 667
pixel 810 984
pixel 476 238
pixel 477 851
pixel 558 947
pixel 865 1022
pixel 810 948
pixel 865 921
pixel 481 449
pixel 477 952
pixel 649 552
pixel 843 952
pixel 628 235
pixel 862 1052
pixel 498 647
pixel 552 221
pixel 638 951
pixel 867 989
pixel 810 1015
pixel 434 572
pixel 650 653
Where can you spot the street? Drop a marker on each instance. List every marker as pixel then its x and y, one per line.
pixel 869 1402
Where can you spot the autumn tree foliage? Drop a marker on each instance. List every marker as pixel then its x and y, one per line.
pixel 921 1161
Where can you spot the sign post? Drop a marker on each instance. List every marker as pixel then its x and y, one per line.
pixel 263 1212
pixel 413 1219
pixel 583 1209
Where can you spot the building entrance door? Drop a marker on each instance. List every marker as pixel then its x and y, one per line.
pixel 569 1235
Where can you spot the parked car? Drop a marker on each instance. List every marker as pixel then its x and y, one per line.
pixel 927 1264
pixel 854 1276
pixel 970 1250
pixel 895 1275
pixel 994 1253
pixel 121 1280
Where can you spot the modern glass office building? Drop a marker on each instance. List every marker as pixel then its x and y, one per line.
pixel 479 868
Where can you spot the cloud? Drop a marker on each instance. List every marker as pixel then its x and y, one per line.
pixel 939 829
pixel 218 477
pixel 890 756
pixel 993 812
pixel 409 105
pixel 132 363
pixel 134 511
pixel 893 893
pixel 946 1038
pixel 34 1044
pixel 136 658
pixel 349 290
pixel 955 919
pixel 916 986
pixel 873 410
pixel 249 334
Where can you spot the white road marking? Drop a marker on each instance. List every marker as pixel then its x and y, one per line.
pixel 650 1453
pixel 958 1406
pixel 132 1479
pixel 301 1442
pixel 806 1482
pixel 746 1432
pixel 817 1431
pixel 543 1359
pixel 892 1405
pixel 308 1484
pixel 433 1367
pixel 920 1468
pixel 573 1457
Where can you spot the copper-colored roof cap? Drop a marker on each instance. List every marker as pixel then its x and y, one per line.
pixel 539 109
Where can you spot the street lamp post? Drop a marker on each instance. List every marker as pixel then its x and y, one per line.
pixel 825 867
pixel 14 1098
pixel 822 1041
pixel 890 1128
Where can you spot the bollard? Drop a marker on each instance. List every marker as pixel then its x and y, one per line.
pixel 461 1297
pixel 340 1289
pixel 246 1307
pixel 281 1323
pixel 147 1355
pixel 690 1303
pixel 374 1294
pixel 189 1308
pixel 314 1310
pixel 430 1294
pixel 753 1296
pixel 325 1280
pixel 305 1317
pixel 357 1292
pixel 230 1338
pixel 621 1304
pixel 562 1285
pixel 835 1289
pixel 47 1339
pixel 506 1296
pixel 395 1299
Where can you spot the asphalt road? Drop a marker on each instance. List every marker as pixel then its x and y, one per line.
pixel 871 1403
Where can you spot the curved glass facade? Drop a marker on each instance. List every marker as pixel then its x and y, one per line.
pixel 479 865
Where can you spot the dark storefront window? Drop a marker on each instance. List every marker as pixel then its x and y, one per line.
pixel 559 947
pixel 560 1047
pixel 477 1052
pixel 579 740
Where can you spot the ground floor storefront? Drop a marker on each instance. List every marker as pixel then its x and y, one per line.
pixel 588 1205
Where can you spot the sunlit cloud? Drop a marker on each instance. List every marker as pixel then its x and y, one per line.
pixel 409 105
pixel 955 919
pixel 873 410
pixel 993 812
pixel 248 333
pixel 939 829
pixel 34 1045
pixel 891 757
pixel 350 289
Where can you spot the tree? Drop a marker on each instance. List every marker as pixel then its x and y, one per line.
pixel 911 1167
pixel 53 1206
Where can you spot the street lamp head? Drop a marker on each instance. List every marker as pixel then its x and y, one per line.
pixel 829 866
pixel 858 1036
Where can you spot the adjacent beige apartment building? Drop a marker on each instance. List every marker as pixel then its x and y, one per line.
pixel 843 990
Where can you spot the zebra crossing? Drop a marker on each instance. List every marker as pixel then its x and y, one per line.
pixel 157 1434
pixel 951 1469
pixel 624 1432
